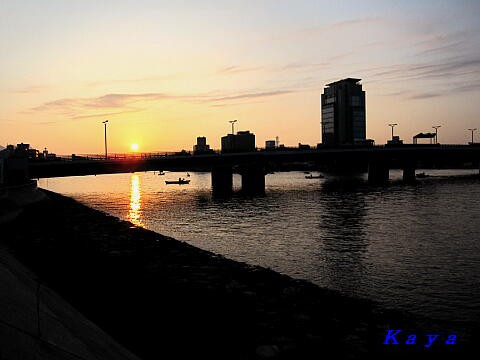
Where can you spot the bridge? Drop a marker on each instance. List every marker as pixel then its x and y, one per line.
pixel 253 166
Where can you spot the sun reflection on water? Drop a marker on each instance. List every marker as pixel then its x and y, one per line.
pixel 134 214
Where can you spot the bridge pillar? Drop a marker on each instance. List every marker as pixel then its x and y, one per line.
pixel 253 179
pixel 378 172
pixel 222 180
pixel 409 172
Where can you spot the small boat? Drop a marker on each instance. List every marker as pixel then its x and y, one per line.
pixel 179 181
pixel 188 175
pixel 161 173
pixel 421 175
pixel 314 176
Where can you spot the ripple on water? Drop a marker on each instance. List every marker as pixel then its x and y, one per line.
pixel 412 248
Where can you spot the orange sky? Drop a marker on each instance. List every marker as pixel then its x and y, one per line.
pixel 165 73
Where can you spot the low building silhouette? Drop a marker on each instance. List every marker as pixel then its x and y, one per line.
pixel 14 162
pixel 14 167
pixel 202 147
pixel 270 145
pixel 3 155
pixel 395 141
pixel 430 136
pixel 243 141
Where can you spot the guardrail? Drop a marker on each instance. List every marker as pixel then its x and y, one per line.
pixel 164 154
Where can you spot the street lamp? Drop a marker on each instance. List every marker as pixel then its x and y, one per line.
pixel 232 122
pixel 472 130
pixel 436 132
pixel 106 153
pixel 392 126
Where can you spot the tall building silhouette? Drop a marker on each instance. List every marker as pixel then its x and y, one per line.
pixel 343 113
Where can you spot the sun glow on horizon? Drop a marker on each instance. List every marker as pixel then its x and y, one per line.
pixel 134 147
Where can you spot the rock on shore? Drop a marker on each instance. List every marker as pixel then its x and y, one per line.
pixel 165 299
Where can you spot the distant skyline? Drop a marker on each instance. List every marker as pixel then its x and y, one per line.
pixel 166 72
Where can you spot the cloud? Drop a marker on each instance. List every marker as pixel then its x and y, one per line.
pixel 336 26
pixel 238 69
pixel 467 87
pixel 81 108
pixel 107 101
pixel 302 66
pixel 444 43
pixel 130 81
pixel 355 22
pixel 32 89
pixel 289 67
pixel 236 103
pixel 442 48
pixel 322 31
pixel 250 96
pixel 453 67
pixel 427 95
pixel 101 106
pixel 396 93
pixel 105 114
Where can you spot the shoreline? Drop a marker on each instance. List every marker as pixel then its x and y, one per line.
pixel 161 297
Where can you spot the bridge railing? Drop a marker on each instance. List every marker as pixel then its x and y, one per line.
pixel 163 154
pixel 119 156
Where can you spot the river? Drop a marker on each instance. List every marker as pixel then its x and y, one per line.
pixel 409 247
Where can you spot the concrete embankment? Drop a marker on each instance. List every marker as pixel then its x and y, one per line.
pixel 164 299
pixel 15 197
pixel 36 323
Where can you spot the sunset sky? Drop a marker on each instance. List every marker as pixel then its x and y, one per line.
pixel 165 72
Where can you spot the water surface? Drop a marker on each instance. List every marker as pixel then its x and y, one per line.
pixel 410 247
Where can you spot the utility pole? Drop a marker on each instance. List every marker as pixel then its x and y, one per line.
pixel 436 132
pixel 106 152
pixel 472 130
pixel 233 122
pixel 392 126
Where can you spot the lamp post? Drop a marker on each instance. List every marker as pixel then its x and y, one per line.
pixel 106 153
pixel 392 126
pixel 232 122
pixel 436 132
pixel 472 130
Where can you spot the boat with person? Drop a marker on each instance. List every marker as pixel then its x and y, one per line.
pixel 311 176
pixel 421 175
pixel 180 181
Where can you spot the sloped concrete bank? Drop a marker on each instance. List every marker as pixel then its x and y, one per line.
pixel 37 324
pixel 13 198
pixel 164 299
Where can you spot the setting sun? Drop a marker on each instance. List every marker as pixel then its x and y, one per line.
pixel 134 147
